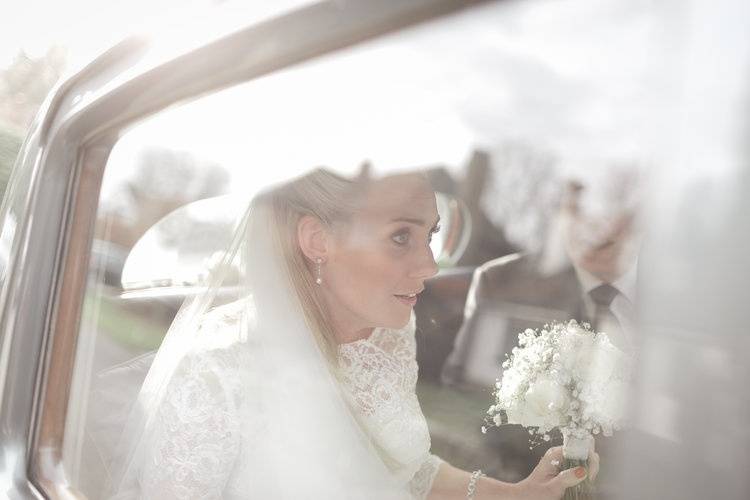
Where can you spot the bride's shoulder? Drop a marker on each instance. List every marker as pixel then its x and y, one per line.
pixel 224 326
pixel 220 345
pixel 229 314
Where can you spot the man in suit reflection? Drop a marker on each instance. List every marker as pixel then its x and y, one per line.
pixel 597 234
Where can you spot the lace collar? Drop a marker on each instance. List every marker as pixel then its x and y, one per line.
pixel 380 331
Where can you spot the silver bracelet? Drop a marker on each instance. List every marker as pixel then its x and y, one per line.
pixel 473 483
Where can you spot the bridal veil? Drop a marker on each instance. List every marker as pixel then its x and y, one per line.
pixel 241 370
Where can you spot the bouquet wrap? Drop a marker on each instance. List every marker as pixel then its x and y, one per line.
pixel 567 377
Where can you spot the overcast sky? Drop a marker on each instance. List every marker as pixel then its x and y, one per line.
pixel 570 74
pixel 86 27
pixel 83 26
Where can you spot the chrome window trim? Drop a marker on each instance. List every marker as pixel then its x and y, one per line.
pixel 85 114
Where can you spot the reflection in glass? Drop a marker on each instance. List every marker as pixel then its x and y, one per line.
pixel 518 115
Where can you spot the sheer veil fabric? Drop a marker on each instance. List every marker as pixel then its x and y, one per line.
pixel 241 402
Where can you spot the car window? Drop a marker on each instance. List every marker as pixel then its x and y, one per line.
pixel 515 114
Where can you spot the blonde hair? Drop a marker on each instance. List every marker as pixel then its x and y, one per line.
pixel 329 198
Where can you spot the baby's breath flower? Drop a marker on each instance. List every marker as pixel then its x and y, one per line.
pixel 563 376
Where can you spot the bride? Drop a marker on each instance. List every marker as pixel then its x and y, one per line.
pixel 293 374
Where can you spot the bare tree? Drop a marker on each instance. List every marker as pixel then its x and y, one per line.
pixel 25 84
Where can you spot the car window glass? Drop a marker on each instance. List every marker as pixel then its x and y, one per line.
pixel 516 115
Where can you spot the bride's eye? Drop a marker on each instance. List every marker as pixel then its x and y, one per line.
pixel 401 238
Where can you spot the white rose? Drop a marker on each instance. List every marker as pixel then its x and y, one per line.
pixel 609 407
pixel 545 404
pixel 547 395
pixel 574 349
pixel 523 416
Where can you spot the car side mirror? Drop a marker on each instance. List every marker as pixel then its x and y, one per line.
pixel 450 243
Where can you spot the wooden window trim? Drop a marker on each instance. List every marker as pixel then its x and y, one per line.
pixel 54 380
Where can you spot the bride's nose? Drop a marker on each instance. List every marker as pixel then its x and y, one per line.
pixel 424 265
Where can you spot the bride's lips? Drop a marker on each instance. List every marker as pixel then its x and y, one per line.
pixel 409 299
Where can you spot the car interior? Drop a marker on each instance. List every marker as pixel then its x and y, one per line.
pixel 452 99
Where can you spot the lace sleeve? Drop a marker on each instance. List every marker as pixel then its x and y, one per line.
pixel 196 434
pixel 421 483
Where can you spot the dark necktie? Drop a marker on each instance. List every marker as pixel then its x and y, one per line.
pixel 602 296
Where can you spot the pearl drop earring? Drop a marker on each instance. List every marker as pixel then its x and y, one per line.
pixel 318 279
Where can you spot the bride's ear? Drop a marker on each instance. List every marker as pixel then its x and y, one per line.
pixel 312 238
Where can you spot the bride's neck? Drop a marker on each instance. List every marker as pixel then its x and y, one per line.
pixel 344 336
pixel 346 329
pixel 346 326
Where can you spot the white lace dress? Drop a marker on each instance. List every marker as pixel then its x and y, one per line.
pixel 200 449
pixel 380 378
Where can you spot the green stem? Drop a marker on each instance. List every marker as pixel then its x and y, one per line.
pixel 583 490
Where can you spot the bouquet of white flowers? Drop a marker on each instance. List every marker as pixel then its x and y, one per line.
pixel 568 377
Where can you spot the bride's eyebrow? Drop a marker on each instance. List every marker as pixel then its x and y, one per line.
pixel 416 221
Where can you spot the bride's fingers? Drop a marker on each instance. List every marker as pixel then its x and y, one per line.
pixel 550 463
pixel 593 464
pixel 566 479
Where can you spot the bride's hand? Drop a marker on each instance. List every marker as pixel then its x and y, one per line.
pixel 547 482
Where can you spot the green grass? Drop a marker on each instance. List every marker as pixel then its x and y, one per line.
pixel 128 328
pixel 455 418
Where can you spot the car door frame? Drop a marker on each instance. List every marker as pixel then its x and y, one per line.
pixel 57 181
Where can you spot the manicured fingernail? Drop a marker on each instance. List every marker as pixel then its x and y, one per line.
pixel 580 472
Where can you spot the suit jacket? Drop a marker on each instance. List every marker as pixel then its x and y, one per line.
pixel 508 295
